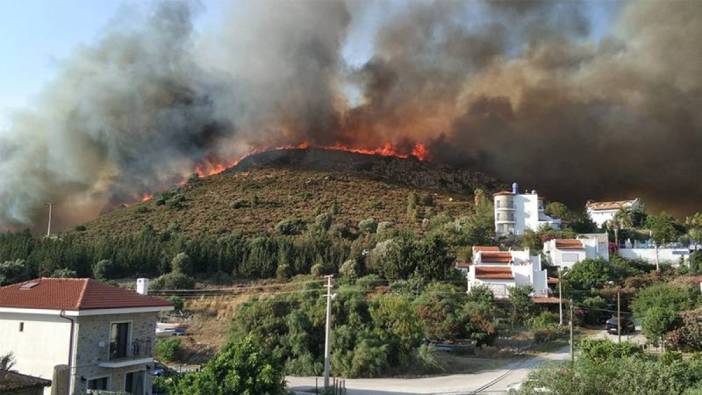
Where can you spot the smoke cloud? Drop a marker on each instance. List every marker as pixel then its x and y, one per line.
pixel 519 90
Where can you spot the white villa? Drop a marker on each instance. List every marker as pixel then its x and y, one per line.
pixel 602 212
pixel 516 212
pixel 103 334
pixel 568 252
pixel 500 270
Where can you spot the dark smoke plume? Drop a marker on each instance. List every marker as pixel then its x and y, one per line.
pixel 515 88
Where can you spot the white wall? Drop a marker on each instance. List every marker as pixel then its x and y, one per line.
pixel 665 255
pixel 600 217
pixel 42 345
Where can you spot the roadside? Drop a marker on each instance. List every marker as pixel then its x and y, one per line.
pixel 490 380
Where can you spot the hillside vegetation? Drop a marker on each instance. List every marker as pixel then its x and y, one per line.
pixel 268 188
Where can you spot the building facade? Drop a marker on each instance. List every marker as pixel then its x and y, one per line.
pixel 568 252
pixel 501 270
pixel 603 212
pixel 516 212
pixel 104 334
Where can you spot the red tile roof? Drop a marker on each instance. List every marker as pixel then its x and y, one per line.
pixel 495 257
pixel 485 248
pixel 502 193
pixel 545 300
pixel 73 294
pixel 493 273
pixel 569 244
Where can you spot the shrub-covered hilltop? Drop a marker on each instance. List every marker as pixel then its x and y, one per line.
pixel 257 221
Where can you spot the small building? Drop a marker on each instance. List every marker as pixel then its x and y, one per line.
pixel 516 212
pixel 568 252
pixel 13 383
pixel 603 212
pixel 104 334
pixel 500 270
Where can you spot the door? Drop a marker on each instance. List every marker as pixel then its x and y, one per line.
pixel 134 383
pixel 119 339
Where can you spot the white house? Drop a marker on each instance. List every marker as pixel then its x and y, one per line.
pixel 568 252
pixel 500 270
pixel 602 212
pixel 516 212
pixel 103 334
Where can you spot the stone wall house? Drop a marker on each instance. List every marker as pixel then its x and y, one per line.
pixel 104 334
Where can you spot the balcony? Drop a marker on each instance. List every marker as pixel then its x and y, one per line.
pixel 135 353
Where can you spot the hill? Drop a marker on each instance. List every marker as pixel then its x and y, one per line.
pixel 266 188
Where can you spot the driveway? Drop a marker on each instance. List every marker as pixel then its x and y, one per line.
pixel 493 381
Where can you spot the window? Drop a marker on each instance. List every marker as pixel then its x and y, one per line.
pixel 98 384
pixel 119 339
pixel 134 383
pixel 21 327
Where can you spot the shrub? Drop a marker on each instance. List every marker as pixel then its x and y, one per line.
pixel 240 203
pixel 181 263
pixel 64 273
pixel 142 210
pixel 368 225
pixel 167 349
pixel 588 274
pixel 290 226
pixel 81 228
pixel 105 269
pixel 13 271
pixel 323 221
pixel 349 270
pixel 242 367
pixel 426 199
pixel 178 302
pixel 176 202
pixel 657 321
pixel 282 272
pixel 603 350
pixel 173 280
pixel 688 337
pixel 481 294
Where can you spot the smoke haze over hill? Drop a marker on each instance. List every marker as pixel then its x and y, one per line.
pixel 519 90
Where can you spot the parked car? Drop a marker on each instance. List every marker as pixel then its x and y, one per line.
pixel 627 325
pixel 170 330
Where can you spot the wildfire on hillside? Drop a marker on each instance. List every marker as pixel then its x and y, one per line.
pixel 211 167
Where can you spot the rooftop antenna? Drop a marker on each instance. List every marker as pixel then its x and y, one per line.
pixel 48 229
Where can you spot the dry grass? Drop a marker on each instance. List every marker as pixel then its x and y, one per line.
pixel 210 208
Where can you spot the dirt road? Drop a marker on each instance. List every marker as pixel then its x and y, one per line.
pixel 492 381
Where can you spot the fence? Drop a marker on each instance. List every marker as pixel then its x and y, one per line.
pixel 337 387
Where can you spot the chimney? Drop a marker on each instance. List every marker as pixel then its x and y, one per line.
pixel 142 286
pixel 515 188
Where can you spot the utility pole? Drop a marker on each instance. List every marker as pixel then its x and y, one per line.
pixel 572 355
pixel 48 229
pixel 560 298
pixel 327 333
pixel 619 317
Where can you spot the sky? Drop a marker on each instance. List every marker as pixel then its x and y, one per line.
pixel 35 34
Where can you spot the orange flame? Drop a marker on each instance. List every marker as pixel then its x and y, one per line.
pixel 211 167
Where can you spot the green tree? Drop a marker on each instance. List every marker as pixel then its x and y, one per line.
pixel 13 271
pixel 657 321
pixel 522 305
pixel 663 231
pixel 182 263
pixel 240 368
pixel 167 349
pixel 588 274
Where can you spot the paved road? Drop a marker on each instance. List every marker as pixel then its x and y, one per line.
pixel 493 381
